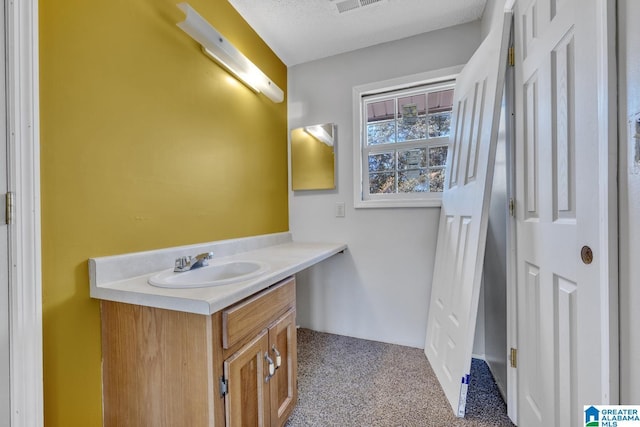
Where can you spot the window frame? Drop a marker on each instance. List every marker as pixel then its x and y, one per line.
pixel 368 92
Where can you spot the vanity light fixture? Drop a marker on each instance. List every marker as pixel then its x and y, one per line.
pixel 216 47
pixel 320 133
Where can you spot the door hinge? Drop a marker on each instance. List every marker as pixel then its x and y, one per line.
pixel 224 387
pixel 513 357
pixel 512 207
pixel 9 207
pixel 512 56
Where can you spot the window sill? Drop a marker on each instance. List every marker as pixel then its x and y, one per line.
pixel 400 203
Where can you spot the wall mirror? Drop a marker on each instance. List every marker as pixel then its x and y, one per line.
pixel 313 157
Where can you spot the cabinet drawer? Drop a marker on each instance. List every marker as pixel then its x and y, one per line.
pixel 257 312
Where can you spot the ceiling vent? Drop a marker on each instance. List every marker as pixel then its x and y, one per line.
pixel 364 3
pixel 347 5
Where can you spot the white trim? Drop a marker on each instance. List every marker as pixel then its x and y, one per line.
pixel 400 203
pixel 358 92
pixel 511 393
pixel 25 294
pixel 608 196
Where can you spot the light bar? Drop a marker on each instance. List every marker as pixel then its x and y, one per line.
pixel 216 47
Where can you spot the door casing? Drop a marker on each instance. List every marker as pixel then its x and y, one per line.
pixel 25 295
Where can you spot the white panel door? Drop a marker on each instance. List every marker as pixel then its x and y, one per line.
pixel 4 293
pixel 464 215
pixel 4 244
pixel 559 304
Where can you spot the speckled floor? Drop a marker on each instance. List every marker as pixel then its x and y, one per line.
pixel 346 382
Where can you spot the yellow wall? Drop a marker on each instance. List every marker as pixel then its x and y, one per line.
pixel 145 143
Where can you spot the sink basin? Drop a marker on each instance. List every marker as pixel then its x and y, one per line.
pixel 211 275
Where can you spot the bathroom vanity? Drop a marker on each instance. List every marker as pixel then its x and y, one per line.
pixel 220 355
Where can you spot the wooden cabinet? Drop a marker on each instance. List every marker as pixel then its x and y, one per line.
pixel 168 368
pixel 284 385
pixel 259 379
pixel 245 387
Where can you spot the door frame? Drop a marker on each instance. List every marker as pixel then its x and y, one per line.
pixel 608 214
pixel 25 293
pixel 512 315
pixel 607 83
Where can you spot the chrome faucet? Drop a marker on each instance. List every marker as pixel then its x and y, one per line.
pixel 186 263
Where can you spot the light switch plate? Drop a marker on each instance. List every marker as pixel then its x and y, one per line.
pixel 340 210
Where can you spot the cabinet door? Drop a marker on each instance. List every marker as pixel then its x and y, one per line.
pixel 283 385
pixel 247 403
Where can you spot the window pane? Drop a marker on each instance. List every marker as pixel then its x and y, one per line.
pixel 440 105
pixel 381 133
pixel 382 162
pixel 439 124
pixel 381 125
pixel 412 113
pixel 437 156
pixel 416 129
pixel 440 101
pixel 436 180
pixel 382 183
pixel 381 110
pixel 413 181
pixel 412 106
pixel 412 159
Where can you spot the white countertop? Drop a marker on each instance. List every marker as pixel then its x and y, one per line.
pixel 123 278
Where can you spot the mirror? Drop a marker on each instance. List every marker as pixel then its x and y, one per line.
pixel 313 158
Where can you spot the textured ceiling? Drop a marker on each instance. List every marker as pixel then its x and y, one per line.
pixel 303 30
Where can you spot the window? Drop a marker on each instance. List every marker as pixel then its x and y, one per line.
pixel 404 139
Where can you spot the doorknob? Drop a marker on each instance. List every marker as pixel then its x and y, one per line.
pixel 586 254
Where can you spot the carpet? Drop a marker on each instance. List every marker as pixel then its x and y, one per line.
pixel 344 381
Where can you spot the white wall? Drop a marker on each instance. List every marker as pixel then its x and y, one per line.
pixel 490 340
pixel 494 275
pixel 479 337
pixel 380 288
pixel 492 11
pixel 629 203
pixel 493 302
